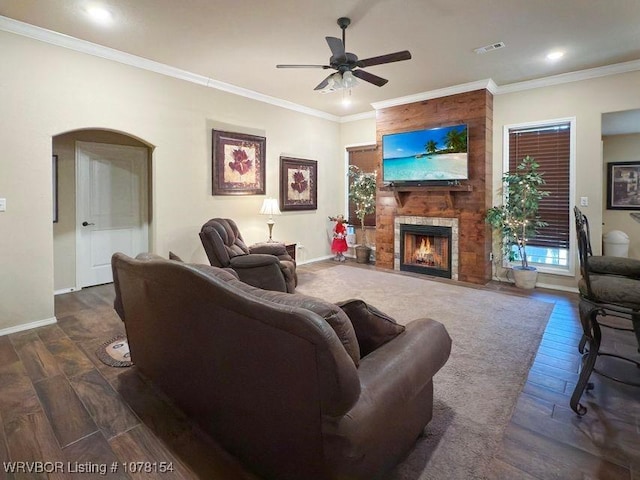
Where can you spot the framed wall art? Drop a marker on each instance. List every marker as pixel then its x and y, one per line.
pixel 298 184
pixel 238 163
pixel 623 185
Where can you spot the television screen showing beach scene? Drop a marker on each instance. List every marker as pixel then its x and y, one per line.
pixel 425 155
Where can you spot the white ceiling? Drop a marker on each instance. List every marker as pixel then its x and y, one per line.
pixel 240 42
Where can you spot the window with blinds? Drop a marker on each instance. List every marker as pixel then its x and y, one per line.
pixel 366 158
pixel 550 146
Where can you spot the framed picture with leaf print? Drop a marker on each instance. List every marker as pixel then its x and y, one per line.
pixel 298 184
pixel 238 163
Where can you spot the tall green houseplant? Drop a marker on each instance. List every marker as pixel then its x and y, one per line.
pixel 363 194
pixel 517 219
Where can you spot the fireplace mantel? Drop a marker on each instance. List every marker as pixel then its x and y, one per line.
pixel 402 192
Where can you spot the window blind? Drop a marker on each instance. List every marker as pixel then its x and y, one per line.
pixel 366 158
pixel 550 147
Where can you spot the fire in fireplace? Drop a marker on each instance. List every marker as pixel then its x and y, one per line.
pixel 426 249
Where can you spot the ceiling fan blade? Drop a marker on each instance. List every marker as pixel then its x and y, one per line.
pixel 303 66
pixel 369 77
pixel 324 83
pixel 391 57
pixel 336 46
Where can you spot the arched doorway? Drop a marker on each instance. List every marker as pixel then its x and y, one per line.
pixel 106 156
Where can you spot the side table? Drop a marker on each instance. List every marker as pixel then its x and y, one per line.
pixel 291 250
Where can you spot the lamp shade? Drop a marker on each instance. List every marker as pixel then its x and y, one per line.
pixel 270 207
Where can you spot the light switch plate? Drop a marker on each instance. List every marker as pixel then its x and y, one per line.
pixel 584 201
pixel 3 204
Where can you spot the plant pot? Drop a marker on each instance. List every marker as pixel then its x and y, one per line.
pixel 525 277
pixel 362 254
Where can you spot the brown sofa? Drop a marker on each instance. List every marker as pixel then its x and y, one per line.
pixel 287 383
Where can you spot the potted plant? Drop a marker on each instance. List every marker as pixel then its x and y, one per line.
pixel 517 220
pixel 363 194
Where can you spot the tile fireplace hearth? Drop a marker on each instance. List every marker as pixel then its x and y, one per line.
pixel 427 245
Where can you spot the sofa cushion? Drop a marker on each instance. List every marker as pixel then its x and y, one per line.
pixel 331 313
pixel 373 328
pixel 613 289
pixel 608 265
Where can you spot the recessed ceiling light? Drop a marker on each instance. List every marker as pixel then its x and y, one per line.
pixel 100 15
pixel 555 55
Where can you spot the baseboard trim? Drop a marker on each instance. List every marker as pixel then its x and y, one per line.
pixel 317 259
pixel 66 290
pixel 562 288
pixel 548 286
pixel 28 326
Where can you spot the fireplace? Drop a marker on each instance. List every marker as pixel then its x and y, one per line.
pixel 426 249
pixel 427 245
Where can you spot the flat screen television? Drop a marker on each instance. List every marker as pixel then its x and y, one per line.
pixel 434 156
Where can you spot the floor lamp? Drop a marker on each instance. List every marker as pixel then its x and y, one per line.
pixel 270 207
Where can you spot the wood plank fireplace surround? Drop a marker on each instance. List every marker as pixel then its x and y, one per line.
pixel 463 206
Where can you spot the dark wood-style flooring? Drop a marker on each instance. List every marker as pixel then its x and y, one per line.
pixel 59 403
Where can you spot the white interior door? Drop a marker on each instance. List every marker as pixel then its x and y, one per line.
pixel 111 207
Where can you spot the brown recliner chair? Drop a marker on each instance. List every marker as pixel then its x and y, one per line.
pixel 295 387
pixel 263 265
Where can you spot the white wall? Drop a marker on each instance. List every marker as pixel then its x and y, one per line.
pixel 621 148
pixel 47 90
pixel 586 100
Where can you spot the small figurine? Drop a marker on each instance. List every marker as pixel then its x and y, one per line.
pixel 339 242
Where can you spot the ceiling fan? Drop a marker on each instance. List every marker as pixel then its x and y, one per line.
pixel 348 65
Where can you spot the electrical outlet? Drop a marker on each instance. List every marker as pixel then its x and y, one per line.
pixel 584 201
pixel 3 204
pixel 491 256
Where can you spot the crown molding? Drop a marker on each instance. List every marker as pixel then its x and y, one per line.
pixel 358 116
pixel 54 38
pixel 441 92
pixel 569 77
pixel 491 86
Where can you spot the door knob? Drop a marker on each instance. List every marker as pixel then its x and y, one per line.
pixel 85 224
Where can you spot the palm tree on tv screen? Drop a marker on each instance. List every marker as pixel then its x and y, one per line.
pixel 456 140
pixel 431 146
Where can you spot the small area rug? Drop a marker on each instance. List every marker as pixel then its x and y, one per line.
pixel 495 338
pixel 115 352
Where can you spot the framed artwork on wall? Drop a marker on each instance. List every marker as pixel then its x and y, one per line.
pixel 298 184
pixel 54 170
pixel 623 185
pixel 238 163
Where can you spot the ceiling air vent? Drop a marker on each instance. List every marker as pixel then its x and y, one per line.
pixel 488 48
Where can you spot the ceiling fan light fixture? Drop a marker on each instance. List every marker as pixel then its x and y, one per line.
pixel 346 63
pixel 348 80
pixel 335 81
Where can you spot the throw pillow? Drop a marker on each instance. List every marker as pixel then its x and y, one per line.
pixel 373 327
pixel 331 313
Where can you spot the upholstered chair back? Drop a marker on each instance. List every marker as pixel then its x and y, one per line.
pixel 222 241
